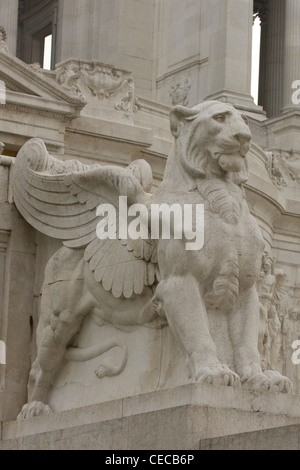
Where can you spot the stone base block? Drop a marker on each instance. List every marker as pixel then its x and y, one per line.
pixel 283 438
pixel 181 418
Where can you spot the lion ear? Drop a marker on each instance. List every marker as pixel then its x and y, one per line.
pixel 178 114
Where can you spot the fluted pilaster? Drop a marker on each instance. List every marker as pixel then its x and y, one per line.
pixel 291 69
pixel 272 58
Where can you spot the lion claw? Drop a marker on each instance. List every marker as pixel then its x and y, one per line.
pixel 219 374
pixel 268 381
pixel 35 408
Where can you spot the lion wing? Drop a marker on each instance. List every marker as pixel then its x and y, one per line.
pixel 60 198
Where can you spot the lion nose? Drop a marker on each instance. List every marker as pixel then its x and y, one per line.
pixel 243 137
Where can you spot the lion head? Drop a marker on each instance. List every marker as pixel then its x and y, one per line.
pixel 212 140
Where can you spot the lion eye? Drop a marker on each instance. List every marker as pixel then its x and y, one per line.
pixel 220 118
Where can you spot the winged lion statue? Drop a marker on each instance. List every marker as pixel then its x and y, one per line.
pixel 125 282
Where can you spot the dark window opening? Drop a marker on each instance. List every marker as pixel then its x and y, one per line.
pixel 37 32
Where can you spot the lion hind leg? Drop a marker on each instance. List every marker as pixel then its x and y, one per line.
pixel 52 345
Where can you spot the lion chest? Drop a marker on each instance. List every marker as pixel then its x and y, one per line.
pixel 231 252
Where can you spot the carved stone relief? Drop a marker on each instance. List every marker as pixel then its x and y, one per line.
pixel 179 92
pixel 94 79
pixel 3 39
pixel 94 82
pixel 279 320
pixel 291 162
pixel 130 103
pixel 275 169
pixel 283 168
pixel 266 286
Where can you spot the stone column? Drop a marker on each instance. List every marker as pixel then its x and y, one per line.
pixel 291 70
pixel 230 52
pixel 271 58
pixel 9 19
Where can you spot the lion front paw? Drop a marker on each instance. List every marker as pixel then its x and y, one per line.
pixel 278 382
pixel 266 381
pixel 258 382
pixel 219 374
pixel 36 408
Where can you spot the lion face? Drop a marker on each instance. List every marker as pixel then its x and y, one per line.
pixel 213 138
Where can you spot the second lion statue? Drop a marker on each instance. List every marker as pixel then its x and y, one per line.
pixel 126 282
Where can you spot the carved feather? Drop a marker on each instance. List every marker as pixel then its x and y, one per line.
pixel 139 276
pixel 108 276
pixel 118 281
pixel 92 248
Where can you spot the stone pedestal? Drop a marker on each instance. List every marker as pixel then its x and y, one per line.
pixel 170 419
pixel 282 438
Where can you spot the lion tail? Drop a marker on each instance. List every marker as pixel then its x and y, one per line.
pixel 108 366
